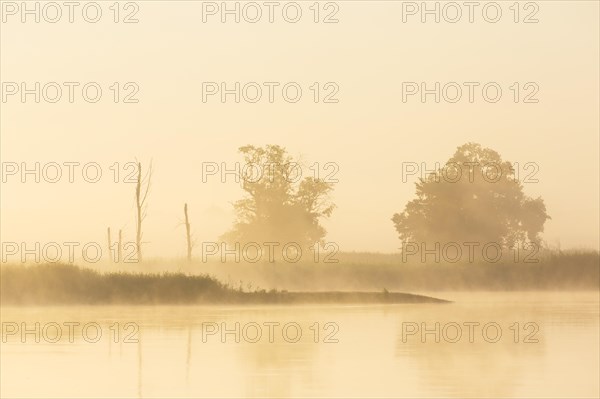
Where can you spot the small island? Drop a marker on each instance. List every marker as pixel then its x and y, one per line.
pixel 64 284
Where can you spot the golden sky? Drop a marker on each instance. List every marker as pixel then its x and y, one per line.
pixel 369 133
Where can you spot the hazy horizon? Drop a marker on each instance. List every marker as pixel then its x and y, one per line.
pixel 369 133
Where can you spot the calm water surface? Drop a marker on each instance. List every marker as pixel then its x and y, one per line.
pixel 351 351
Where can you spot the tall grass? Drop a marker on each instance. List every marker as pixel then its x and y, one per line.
pixel 554 270
pixel 178 281
pixel 60 283
pixel 68 284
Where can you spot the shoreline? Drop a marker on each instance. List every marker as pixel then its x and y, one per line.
pixel 60 284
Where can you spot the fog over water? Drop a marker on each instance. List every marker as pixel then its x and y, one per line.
pixel 376 353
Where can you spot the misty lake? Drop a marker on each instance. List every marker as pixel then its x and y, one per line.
pixel 536 344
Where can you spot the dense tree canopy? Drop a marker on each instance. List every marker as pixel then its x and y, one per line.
pixel 475 197
pixel 282 205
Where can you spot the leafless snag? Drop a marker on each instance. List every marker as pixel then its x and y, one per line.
pixel 109 244
pixel 187 233
pixel 120 248
pixel 142 185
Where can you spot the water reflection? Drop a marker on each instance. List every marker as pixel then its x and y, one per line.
pixel 178 353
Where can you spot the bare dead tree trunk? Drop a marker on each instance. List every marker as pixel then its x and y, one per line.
pixel 140 204
pixel 109 244
pixel 187 233
pixel 138 207
pixel 120 249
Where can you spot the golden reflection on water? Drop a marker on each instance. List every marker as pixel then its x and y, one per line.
pixel 372 358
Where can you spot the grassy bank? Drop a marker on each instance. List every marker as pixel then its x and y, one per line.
pixel 178 281
pixel 67 284
pixel 573 270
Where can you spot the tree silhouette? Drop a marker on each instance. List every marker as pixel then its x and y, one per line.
pixel 281 205
pixel 475 197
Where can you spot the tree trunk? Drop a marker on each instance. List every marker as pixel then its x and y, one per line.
pixel 187 233
pixel 120 248
pixel 138 205
pixel 109 244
